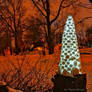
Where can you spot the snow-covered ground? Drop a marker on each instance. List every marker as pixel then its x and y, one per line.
pixel 86 58
pixel 48 63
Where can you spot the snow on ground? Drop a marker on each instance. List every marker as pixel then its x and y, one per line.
pixel 48 63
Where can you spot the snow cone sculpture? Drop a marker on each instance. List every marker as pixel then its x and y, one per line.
pixel 70 57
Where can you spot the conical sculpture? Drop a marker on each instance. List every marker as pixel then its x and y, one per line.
pixel 70 56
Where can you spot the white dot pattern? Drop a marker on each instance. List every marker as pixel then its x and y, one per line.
pixel 70 57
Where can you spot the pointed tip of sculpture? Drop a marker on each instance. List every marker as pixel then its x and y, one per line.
pixel 70 17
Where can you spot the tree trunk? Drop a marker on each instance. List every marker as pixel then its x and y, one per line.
pixel 49 34
pixel 50 43
pixel 10 45
pixel 50 38
pixel 16 43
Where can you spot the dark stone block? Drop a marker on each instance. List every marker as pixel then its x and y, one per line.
pixel 3 88
pixel 90 1
pixel 69 84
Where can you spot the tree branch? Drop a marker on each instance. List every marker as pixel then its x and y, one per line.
pixel 71 3
pixel 61 6
pixel 80 5
pixel 58 12
pixel 43 5
pixel 6 22
pixel 84 19
pixel 38 8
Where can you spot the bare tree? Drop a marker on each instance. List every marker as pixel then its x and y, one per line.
pixel 4 38
pixel 44 7
pixel 11 14
pixel 33 31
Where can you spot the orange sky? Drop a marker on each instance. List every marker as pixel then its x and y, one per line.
pixel 82 12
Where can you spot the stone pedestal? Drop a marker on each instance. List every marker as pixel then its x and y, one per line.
pixel 69 84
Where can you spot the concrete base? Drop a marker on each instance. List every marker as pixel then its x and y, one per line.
pixel 69 84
